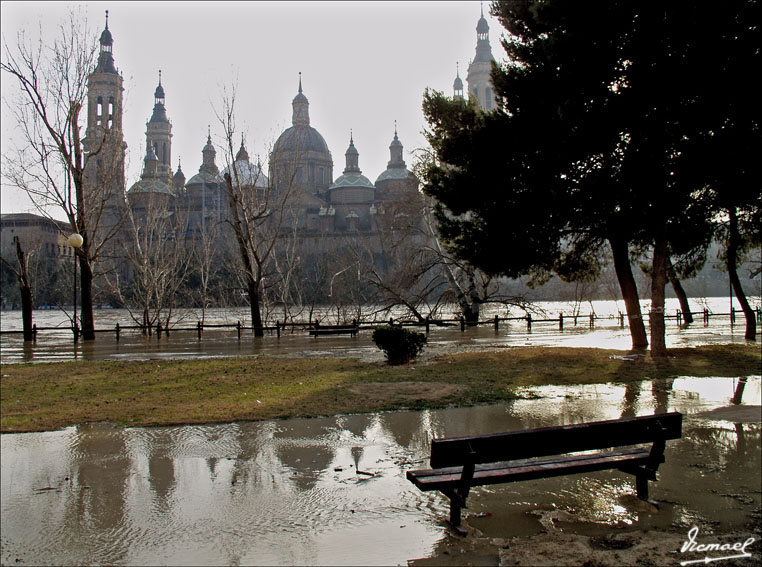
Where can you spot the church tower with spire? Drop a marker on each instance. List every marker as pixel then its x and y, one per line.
pixel 159 135
pixel 478 77
pixel 104 144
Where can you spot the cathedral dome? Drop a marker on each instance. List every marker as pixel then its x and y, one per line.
pixel 301 139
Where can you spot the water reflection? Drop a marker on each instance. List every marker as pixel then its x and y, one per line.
pixel 333 490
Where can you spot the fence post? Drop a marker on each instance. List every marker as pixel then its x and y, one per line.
pixel 238 328
pixel 497 323
pixel 678 316
pixel 277 328
pixel 592 320
pixel 560 321
pixel 732 316
pixel 198 329
pixel 529 321
pixel 34 332
pixel 427 324
pixel 621 320
pixel 462 324
pixel 391 321
pixel 706 316
pixel 117 331
pixel 158 330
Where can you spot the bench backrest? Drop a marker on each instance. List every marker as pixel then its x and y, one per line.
pixel 547 441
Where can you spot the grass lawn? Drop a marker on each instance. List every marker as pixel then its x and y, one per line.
pixel 39 397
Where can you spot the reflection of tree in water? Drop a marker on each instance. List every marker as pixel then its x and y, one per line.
pixel 103 465
pixel 161 468
pixel 298 450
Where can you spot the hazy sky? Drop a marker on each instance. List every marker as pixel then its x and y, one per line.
pixel 363 64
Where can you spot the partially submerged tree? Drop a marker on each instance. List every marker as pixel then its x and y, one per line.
pixel 53 162
pixel 20 270
pixel 257 210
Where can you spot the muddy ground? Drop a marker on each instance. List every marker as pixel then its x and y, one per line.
pixel 564 540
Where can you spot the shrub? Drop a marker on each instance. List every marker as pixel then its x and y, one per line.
pixel 399 345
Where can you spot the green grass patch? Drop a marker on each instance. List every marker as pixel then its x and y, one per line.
pixel 36 397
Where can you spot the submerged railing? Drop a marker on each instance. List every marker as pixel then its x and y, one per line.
pixel 280 327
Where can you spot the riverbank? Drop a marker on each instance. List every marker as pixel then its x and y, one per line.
pixel 41 397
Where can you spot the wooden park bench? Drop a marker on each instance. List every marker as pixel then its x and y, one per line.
pixel 333 330
pixel 458 463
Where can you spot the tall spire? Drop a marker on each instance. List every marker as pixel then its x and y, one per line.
pixel 159 110
pixel 457 85
pixel 301 107
pixel 353 157
pixel 483 49
pixel 106 57
pixel 395 152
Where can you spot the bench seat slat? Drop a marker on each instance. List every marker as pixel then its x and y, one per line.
pixel 527 469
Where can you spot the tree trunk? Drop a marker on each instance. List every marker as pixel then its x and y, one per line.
pixel 658 284
pixel 629 290
pixel 256 315
pixel 26 292
pixel 86 287
pixel 680 293
pixel 735 282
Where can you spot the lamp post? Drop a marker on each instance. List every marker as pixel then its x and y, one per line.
pixel 75 241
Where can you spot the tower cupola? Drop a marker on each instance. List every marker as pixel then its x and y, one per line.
pixel 353 157
pixel 457 85
pixel 106 56
pixel 301 106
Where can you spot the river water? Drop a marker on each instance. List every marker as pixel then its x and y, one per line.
pixel 333 490
pixel 57 345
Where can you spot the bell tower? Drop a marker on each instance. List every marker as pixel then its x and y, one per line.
pixel 104 145
pixel 159 135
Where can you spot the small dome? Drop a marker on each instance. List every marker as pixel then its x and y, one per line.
pixel 482 26
pixel 249 174
pixel 351 180
pixel 179 175
pixel 394 173
pixel 159 92
pixel 458 84
pixel 203 178
pixel 151 186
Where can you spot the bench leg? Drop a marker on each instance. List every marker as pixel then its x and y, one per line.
pixel 641 485
pixel 455 509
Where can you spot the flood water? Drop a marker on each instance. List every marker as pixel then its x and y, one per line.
pixel 57 345
pixel 333 490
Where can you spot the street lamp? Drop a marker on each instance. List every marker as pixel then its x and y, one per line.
pixel 75 241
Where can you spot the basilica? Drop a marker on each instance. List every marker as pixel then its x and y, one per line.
pixel 328 205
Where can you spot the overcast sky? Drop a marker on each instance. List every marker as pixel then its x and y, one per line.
pixel 363 64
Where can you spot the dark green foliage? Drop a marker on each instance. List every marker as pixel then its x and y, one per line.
pixel 399 345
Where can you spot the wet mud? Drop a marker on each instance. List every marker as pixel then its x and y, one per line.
pixel 333 490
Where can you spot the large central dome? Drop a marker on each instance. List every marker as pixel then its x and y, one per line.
pixel 300 156
pixel 301 139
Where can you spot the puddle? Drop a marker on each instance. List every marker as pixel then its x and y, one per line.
pixel 333 490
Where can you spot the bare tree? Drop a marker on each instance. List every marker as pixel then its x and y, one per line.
pixel 257 211
pixel 157 258
pixel 50 161
pixel 21 272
